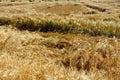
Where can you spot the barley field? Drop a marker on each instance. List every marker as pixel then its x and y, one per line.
pixel 60 40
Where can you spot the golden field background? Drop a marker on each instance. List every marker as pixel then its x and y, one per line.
pixel 60 40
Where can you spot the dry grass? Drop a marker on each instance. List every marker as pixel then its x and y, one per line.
pixel 37 42
pixel 42 56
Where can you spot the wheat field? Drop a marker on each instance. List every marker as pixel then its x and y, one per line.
pixel 60 40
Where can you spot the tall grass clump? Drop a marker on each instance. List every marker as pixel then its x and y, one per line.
pixel 90 27
pixel 5 21
pixel 26 23
pixel 99 56
pixel 55 26
pixel 99 28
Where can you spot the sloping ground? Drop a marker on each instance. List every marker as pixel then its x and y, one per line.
pixel 64 7
pixel 48 41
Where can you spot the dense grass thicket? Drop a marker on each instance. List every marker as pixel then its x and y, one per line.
pixel 106 27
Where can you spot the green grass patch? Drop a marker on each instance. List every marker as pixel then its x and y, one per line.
pixel 98 28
